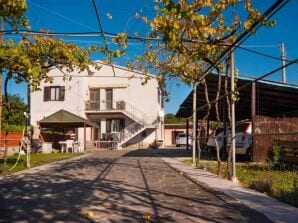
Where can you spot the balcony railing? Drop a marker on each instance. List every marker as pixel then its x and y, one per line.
pixel 105 105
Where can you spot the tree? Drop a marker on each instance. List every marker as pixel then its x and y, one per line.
pixel 17 107
pixel 172 119
pixel 193 35
pixel 30 59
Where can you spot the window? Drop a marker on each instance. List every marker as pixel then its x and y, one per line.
pixel 94 99
pixel 54 93
pixel 109 99
pixel 95 95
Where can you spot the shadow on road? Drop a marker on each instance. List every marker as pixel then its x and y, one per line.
pixel 161 152
pixel 114 187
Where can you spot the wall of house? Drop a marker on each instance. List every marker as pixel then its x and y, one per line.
pixel 142 97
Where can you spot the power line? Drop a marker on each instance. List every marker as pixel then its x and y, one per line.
pixel 112 35
pixel 63 16
pixel 265 16
pixel 103 34
pixel 262 54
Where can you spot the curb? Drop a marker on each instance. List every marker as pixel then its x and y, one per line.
pixel 273 209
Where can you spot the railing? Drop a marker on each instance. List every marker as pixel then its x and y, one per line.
pixel 130 130
pixel 104 105
pixel 133 112
pixel 136 127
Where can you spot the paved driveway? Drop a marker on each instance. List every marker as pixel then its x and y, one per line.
pixel 116 186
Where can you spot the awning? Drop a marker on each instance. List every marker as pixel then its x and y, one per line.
pixel 63 118
pixel 272 98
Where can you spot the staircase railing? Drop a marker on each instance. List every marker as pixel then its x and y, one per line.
pixel 135 127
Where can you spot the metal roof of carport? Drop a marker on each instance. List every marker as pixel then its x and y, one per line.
pixel 272 98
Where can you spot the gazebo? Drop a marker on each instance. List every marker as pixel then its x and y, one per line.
pixel 63 119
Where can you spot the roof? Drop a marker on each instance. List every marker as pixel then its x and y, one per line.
pixel 63 118
pixel 272 98
pixel 125 68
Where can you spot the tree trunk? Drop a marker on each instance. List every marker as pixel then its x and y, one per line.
pixel 4 170
pixel 229 160
pixel 203 120
pixel 218 123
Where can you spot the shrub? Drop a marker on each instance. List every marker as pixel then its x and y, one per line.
pixel 13 128
pixel 274 158
pixel 263 185
pixel 290 197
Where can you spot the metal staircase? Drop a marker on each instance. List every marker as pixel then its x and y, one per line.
pixel 133 130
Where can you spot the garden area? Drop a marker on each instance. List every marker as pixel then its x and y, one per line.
pixel 276 183
pixel 37 159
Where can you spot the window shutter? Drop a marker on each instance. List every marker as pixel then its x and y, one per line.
pixel 47 94
pixel 61 93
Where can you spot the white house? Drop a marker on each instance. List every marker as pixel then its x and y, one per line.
pixel 126 110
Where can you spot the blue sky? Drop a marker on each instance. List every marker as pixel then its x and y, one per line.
pixel 79 16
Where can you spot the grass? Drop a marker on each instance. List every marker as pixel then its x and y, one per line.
pixel 37 159
pixel 282 185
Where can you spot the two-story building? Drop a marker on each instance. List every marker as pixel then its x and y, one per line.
pixel 125 109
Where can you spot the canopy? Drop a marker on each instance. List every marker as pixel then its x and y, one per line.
pixel 271 98
pixel 63 118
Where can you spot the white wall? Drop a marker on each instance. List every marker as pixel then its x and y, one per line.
pixel 142 97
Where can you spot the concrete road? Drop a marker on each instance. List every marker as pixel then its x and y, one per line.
pixel 117 186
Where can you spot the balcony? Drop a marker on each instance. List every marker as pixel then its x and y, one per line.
pixel 105 105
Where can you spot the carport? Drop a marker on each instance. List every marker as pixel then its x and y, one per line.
pixel 65 119
pixel 271 106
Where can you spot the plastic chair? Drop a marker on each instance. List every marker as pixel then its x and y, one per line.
pixel 81 147
pixel 69 145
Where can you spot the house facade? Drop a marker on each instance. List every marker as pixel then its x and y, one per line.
pixel 127 111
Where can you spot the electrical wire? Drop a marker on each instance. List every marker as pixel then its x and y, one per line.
pixel 112 35
pixel 265 16
pixel 262 54
pixel 63 16
pixel 21 146
pixel 101 30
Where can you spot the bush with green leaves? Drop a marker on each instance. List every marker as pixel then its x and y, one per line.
pixel 274 158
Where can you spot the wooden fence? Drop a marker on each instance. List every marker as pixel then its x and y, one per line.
pixel 268 130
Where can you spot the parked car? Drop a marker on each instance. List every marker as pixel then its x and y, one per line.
pixel 181 140
pixel 243 140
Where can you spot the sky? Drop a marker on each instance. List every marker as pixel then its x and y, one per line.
pixel 79 16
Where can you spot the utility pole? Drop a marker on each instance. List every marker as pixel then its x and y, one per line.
pixel 28 127
pixel 194 120
pixel 283 60
pixel 233 144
